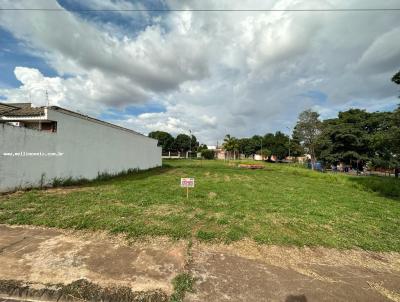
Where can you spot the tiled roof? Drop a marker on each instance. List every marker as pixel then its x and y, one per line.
pixel 6 108
pixel 25 111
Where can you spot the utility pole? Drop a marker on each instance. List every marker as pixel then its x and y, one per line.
pixel 47 99
pixel 289 139
pixel 190 147
pixel 262 157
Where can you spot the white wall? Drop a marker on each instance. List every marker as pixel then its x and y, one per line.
pixel 88 148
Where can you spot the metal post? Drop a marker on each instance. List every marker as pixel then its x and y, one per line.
pixel 190 147
pixel 289 139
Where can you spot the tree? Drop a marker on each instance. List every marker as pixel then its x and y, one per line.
pixel 247 146
pixel 202 147
pixel 265 153
pixel 307 130
pixel 194 144
pixel 347 137
pixel 231 144
pixel 165 140
pixel 396 78
pixel 183 142
pixel 208 154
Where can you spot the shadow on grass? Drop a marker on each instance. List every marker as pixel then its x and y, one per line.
pixel 132 174
pixel 384 186
pixel 101 179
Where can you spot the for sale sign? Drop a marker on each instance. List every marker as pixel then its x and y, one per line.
pixel 187 182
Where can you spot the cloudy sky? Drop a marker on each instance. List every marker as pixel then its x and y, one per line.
pixel 241 73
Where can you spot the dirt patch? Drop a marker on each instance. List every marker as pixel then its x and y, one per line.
pixel 385 292
pixel 50 256
pixel 294 256
pixel 246 271
pixel 68 190
pixel 212 195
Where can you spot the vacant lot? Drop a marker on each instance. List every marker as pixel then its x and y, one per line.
pixel 277 205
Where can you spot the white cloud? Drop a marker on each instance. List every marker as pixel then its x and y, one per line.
pixel 215 72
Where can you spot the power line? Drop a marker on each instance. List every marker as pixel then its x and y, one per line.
pixel 203 10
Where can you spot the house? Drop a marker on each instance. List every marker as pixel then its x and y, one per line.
pixel 40 144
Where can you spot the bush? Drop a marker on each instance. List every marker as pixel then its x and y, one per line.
pixel 208 154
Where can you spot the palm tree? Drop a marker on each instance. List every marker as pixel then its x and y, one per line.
pixel 231 144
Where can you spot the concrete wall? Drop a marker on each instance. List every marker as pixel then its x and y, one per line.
pixel 88 148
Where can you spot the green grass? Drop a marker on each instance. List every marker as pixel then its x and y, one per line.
pixel 182 283
pixel 280 204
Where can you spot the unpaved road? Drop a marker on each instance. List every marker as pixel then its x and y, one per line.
pixel 243 271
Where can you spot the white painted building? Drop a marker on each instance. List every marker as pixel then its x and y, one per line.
pixel 40 144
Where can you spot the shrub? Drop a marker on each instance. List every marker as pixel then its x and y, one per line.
pixel 208 154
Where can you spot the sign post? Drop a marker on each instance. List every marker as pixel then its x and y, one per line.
pixel 187 183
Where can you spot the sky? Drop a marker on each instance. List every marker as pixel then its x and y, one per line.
pixel 213 73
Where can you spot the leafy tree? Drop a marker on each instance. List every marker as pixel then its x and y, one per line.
pixel 342 139
pixel 165 140
pixel 194 143
pixel 396 78
pixel 307 130
pixel 183 142
pixel 208 154
pixel 296 149
pixel 356 136
pixel 281 145
pixel 202 147
pixel 265 153
pixel 247 146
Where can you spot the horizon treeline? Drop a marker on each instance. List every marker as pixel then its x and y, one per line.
pixel 355 137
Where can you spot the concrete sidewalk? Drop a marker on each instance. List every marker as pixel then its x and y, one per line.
pixel 36 262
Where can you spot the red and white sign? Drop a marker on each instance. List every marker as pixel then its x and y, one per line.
pixel 187 182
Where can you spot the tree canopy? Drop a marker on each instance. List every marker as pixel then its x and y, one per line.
pixel 307 131
pixel 182 143
pixel 165 140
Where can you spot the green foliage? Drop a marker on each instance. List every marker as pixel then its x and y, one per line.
pixel 248 146
pixel 182 283
pixel 308 130
pixel 276 144
pixel 185 143
pixel 357 137
pixel 264 152
pixel 230 143
pixel 396 78
pixel 67 182
pixel 165 140
pixel 181 143
pixel 103 176
pixel 271 144
pixel 202 147
pixel 208 154
pixel 206 235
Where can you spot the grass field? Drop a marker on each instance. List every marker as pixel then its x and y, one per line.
pixel 280 204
